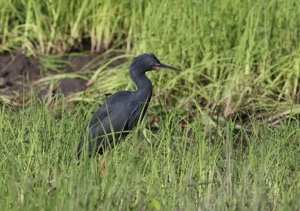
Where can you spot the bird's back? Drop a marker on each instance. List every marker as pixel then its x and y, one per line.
pixel 114 119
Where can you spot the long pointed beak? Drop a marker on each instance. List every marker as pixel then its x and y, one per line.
pixel 168 67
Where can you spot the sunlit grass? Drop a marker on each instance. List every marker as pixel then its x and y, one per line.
pixel 233 53
pixel 198 166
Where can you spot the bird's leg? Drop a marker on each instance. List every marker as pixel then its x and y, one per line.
pixel 102 163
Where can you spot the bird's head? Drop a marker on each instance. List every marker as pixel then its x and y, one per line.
pixel 147 62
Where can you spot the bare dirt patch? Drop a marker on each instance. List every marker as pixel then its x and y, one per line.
pixel 18 73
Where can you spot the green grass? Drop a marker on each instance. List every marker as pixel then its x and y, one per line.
pixel 184 168
pixel 224 132
pixel 242 55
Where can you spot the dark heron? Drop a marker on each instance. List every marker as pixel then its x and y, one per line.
pixel 120 113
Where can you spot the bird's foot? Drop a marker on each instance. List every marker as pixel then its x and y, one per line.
pixel 102 166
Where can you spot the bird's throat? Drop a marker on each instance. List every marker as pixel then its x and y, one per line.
pixel 144 86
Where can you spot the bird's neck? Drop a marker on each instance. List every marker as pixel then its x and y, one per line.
pixel 144 86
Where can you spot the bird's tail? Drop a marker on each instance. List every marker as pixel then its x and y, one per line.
pixel 80 148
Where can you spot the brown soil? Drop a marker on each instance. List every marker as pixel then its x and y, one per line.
pixel 19 72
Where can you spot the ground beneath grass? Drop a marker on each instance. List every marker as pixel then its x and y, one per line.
pixel 20 74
